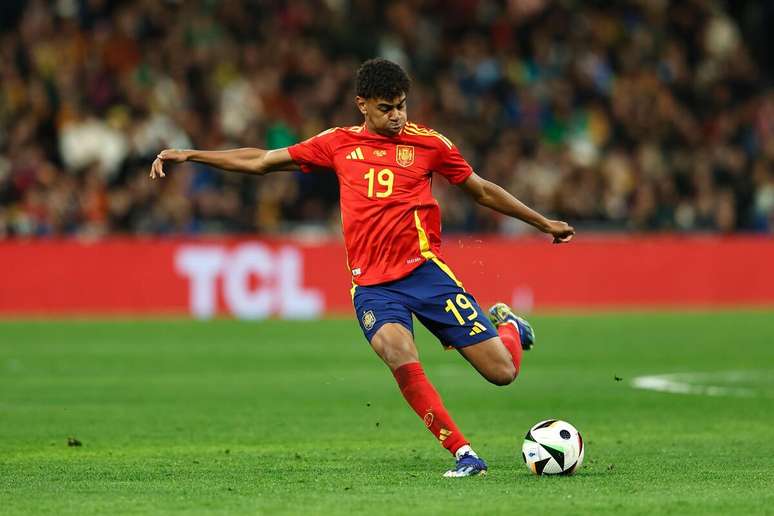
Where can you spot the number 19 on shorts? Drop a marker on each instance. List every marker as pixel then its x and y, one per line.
pixel 461 302
pixel 465 304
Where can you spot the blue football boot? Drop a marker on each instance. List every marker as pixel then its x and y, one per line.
pixel 500 313
pixel 468 465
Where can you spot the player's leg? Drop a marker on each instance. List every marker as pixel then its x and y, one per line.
pixel 516 335
pixel 386 324
pixel 395 346
pixel 492 360
pixel 454 316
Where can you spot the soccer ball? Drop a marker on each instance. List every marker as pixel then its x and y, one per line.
pixel 553 447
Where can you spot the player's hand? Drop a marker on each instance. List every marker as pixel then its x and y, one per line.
pixel 561 231
pixel 170 155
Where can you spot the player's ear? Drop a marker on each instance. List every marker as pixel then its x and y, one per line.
pixel 361 104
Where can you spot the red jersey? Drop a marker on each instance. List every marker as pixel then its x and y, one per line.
pixel 390 219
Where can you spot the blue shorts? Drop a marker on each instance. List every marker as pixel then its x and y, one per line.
pixel 434 296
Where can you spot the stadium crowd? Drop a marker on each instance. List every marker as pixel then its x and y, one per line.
pixel 647 116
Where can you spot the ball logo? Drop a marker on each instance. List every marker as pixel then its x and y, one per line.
pixel 369 319
pixel 429 418
pixel 404 155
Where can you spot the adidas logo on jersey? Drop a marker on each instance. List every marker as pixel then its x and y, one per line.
pixel 355 154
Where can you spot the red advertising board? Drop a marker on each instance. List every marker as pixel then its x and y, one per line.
pixel 260 278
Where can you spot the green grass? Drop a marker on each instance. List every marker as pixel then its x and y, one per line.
pixel 286 418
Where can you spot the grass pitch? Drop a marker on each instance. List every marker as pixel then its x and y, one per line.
pixel 288 418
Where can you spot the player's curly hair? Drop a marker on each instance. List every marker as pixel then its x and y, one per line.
pixel 382 79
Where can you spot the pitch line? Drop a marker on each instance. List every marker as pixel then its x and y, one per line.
pixel 703 384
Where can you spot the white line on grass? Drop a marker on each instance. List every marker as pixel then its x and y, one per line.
pixel 704 384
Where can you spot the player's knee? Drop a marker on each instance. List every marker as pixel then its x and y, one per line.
pixel 396 357
pixel 503 374
pixel 394 345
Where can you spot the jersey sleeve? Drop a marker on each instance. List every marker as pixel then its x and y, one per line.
pixel 315 153
pixel 452 165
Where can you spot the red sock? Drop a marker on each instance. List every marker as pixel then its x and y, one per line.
pixel 426 402
pixel 510 337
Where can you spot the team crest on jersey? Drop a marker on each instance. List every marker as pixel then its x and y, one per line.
pixel 369 319
pixel 404 155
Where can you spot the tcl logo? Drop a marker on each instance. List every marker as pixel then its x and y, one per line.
pixel 256 281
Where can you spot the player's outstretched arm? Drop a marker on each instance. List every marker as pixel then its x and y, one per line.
pixel 487 193
pixel 247 160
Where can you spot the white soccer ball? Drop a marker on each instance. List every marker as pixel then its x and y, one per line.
pixel 553 447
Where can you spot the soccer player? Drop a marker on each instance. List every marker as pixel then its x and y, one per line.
pixel 392 232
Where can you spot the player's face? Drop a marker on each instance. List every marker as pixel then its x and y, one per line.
pixel 384 116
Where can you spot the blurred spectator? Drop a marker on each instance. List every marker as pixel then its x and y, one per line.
pixel 638 115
